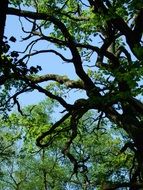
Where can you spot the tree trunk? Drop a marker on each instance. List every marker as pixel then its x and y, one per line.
pixel 3 11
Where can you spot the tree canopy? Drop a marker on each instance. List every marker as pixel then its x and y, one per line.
pixel 102 40
pixel 29 167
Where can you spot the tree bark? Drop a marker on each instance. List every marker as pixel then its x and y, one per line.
pixel 3 12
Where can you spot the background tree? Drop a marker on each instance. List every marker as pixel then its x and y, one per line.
pixel 104 44
pixel 98 161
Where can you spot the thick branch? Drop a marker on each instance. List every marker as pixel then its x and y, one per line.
pixel 138 29
pixel 98 5
pixel 51 130
pixel 70 42
pixel 99 51
pixel 60 79
pixel 132 37
pixel 50 95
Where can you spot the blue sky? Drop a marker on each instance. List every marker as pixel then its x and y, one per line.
pixel 50 63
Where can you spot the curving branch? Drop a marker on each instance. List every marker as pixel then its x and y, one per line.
pixel 50 39
pixel 70 43
pixel 58 78
pixel 133 37
pixel 46 51
pixel 138 29
pixel 50 95
pixel 50 131
pixel 75 117
pixel 100 52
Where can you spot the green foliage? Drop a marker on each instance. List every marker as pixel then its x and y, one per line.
pixel 12 71
pixel 83 150
pixel 33 168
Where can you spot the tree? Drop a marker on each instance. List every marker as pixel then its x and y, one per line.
pixel 34 168
pixel 31 167
pixel 109 72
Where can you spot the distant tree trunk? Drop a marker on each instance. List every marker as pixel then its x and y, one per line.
pixel 44 171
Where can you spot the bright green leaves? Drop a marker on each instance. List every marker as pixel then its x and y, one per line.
pixel 31 167
pixel 22 2
pixel 95 147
